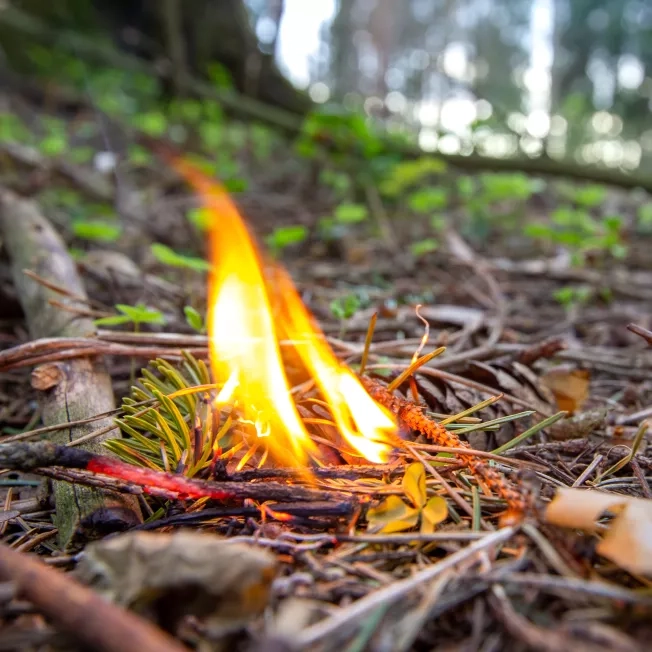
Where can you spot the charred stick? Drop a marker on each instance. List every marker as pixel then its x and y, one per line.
pixel 37 457
pixel 294 510
pixel 343 472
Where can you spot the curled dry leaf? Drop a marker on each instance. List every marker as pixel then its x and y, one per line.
pixel 570 387
pixel 627 540
pixel 169 576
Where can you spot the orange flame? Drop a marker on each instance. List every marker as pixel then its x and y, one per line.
pixel 249 313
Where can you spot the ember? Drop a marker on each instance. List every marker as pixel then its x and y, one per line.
pixel 253 306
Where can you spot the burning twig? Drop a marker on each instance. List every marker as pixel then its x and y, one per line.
pixel 39 457
pixel 412 416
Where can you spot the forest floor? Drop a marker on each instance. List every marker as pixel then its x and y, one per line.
pixel 412 554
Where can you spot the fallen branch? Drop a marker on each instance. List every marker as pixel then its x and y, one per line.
pixel 41 457
pixel 67 392
pixel 79 611
pixel 642 332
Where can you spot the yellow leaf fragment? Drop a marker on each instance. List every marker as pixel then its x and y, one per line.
pixel 394 515
pixel 434 512
pixel 628 538
pixel 414 484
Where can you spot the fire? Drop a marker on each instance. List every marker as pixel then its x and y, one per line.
pixel 253 307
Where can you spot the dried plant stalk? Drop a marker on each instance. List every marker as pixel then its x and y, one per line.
pixel 413 417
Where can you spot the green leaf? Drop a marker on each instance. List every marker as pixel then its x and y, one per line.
pixel 590 196
pixel 393 515
pixel 345 307
pixel 423 247
pixel 284 236
pixel 200 218
pixel 168 256
pixel 96 230
pixel 141 314
pixel 428 200
pixel 139 156
pixel 351 213
pixel 153 123
pixel 434 512
pixel 645 215
pixel 54 144
pixel 414 484
pixel 112 321
pixel 194 319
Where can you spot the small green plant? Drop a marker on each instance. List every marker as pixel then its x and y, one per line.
pixel 571 296
pixel 153 123
pixel 644 221
pixel 340 182
pixel 136 315
pixel 505 186
pixel 138 156
pixel 423 247
pixel 12 129
pixel 428 200
pixel 286 236
pixel 96 230
pixel 584 196
pixel 351 213
pixel 200 218
pixel 168 256
pixel 194 319
pixel 406 174
pixel 395 515
pixel 344 130
pixel 345 307
pixel 581 233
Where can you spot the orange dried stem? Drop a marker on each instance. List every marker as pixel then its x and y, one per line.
pixel 397 382
pixel 413 417
pixel 367 342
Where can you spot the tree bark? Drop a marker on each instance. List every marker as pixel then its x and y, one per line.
pixel 69 390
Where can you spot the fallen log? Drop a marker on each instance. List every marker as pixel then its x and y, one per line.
pixel 69 390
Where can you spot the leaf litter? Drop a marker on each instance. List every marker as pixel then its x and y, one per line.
pixel 418 541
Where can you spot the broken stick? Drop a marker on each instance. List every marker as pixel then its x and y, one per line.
pixel 70 390
pixel 80 611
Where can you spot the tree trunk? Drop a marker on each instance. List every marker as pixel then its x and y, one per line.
pixel 182 34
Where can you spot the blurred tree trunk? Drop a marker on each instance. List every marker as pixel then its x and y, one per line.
pixel 186 35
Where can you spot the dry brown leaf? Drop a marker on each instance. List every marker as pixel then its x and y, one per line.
pixel 570 387
pixel 169 576
pixel 627 540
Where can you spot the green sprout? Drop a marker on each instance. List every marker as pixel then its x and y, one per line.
pixel 96 230
pixel 168 256
pixel 194 319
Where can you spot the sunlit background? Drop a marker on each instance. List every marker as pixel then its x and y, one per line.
pixel 562 78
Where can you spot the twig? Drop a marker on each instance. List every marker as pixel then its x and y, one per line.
pixel 393 592
pixel 79 611
pixel 643 332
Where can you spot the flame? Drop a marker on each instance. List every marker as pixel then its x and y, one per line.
pixel 251 309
